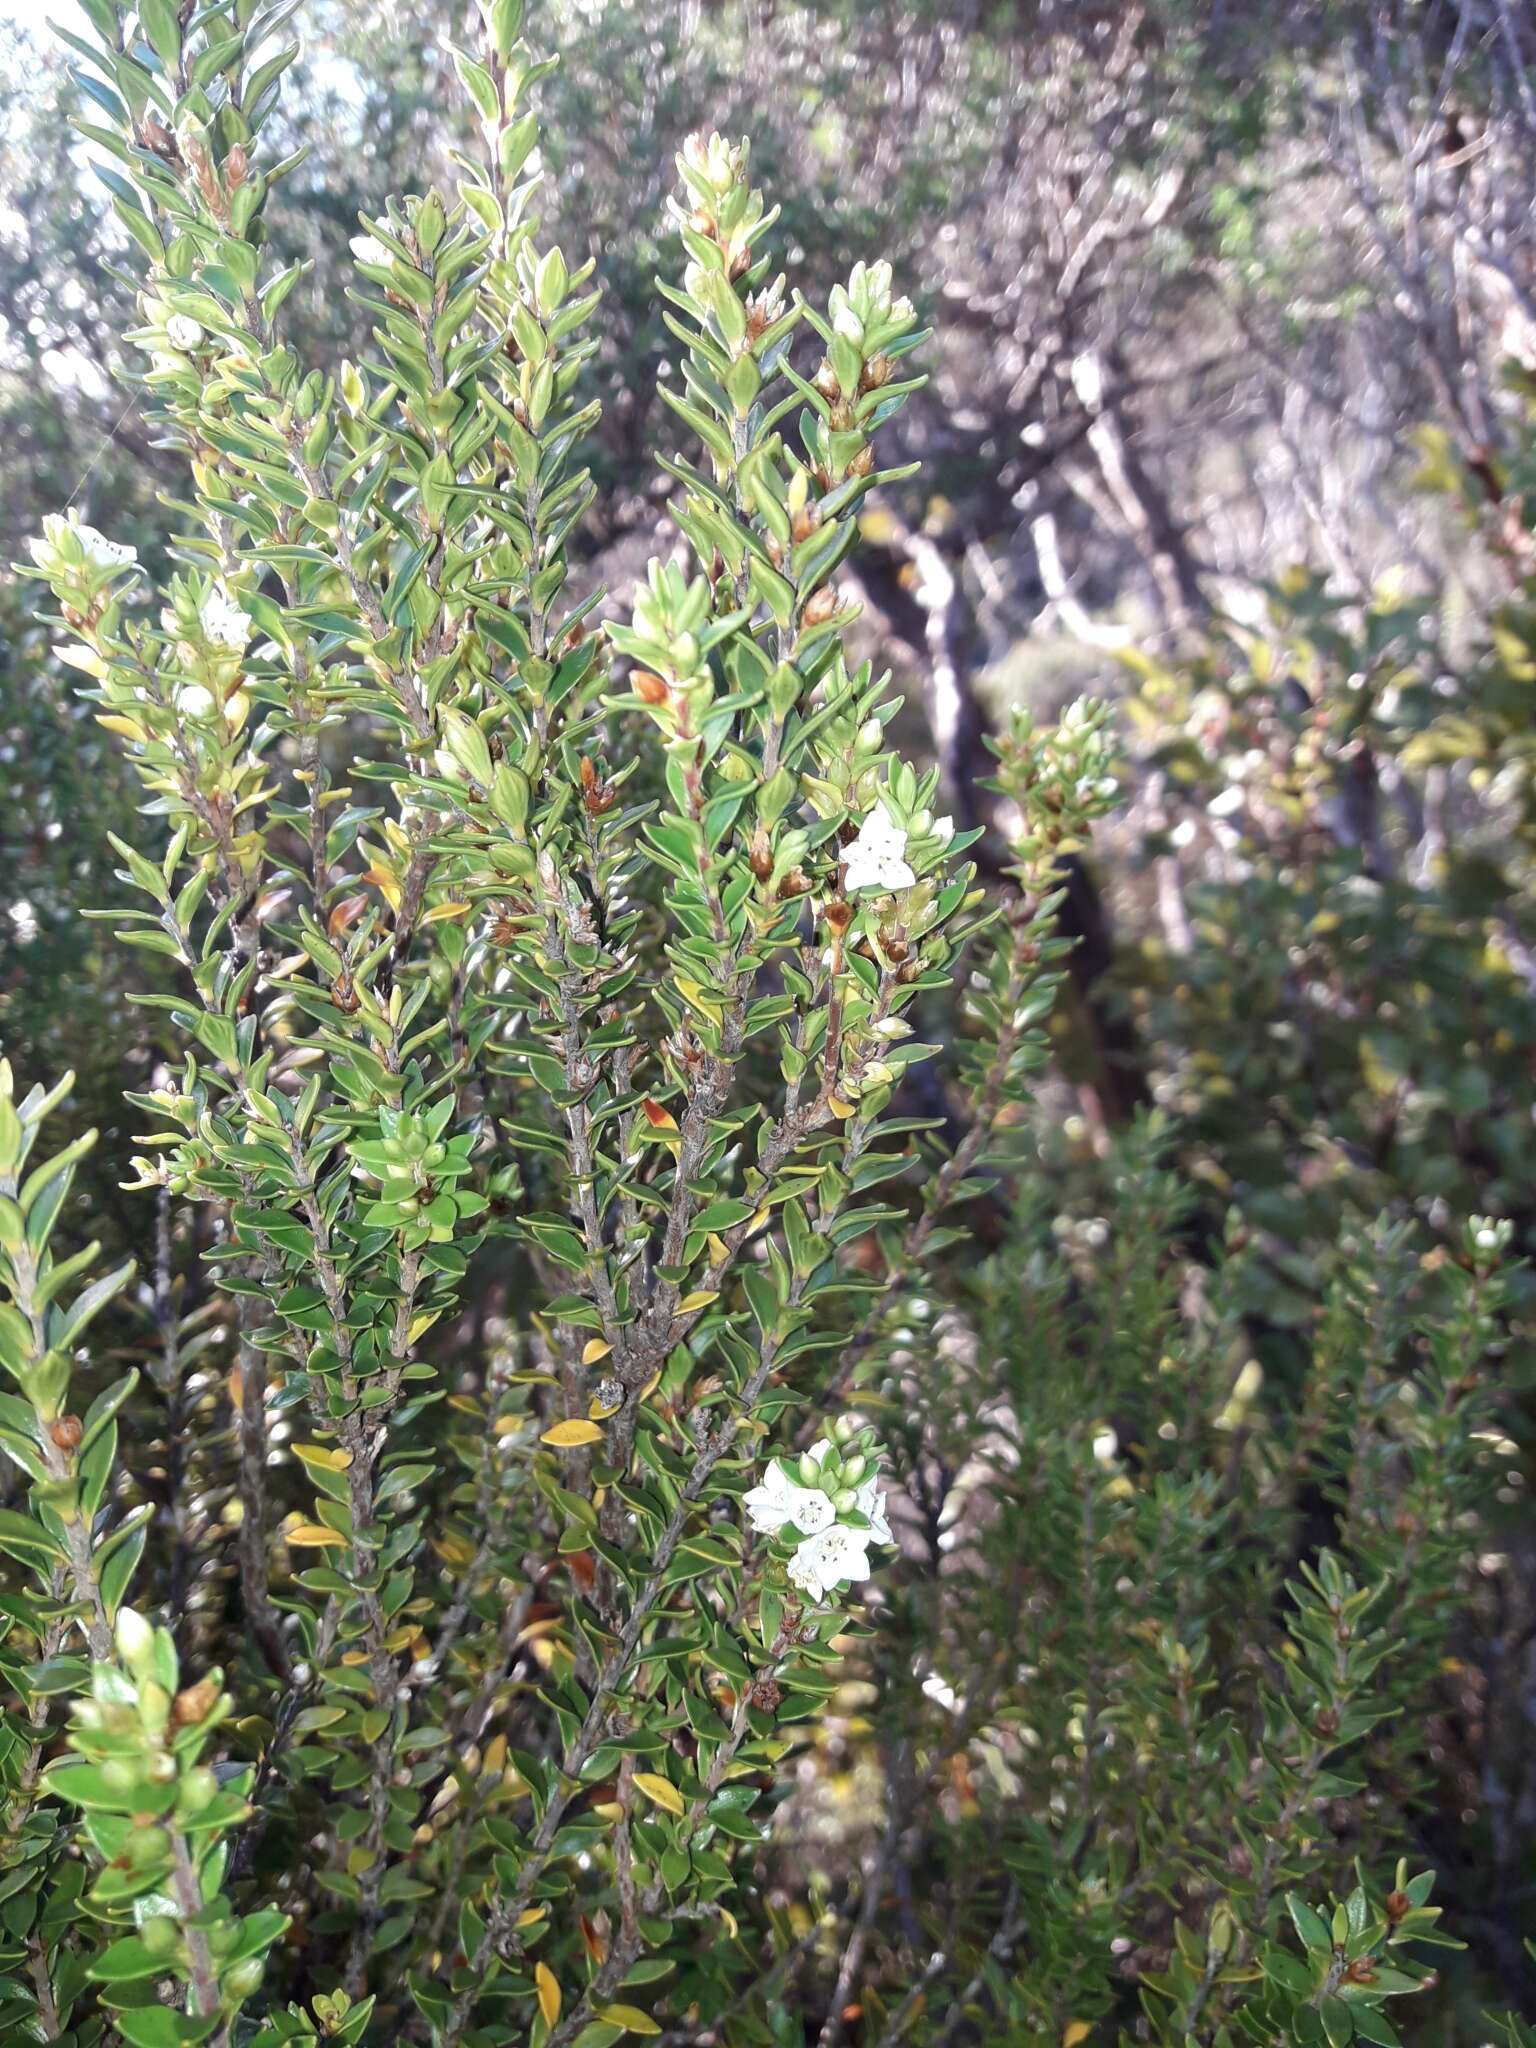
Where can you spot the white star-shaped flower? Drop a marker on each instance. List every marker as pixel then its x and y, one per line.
pixel 781 1499
pixel 835 1557
pixel 877 858
pixel 224 622
pixel 99 552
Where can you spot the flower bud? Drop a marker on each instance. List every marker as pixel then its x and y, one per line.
pixel 135 1640
pixel 199 1789
pixel 244 1978
pixel 160 1935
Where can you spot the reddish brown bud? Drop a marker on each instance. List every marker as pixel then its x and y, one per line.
pixel 839 914
pixel 820 606
pixel 194 1704
pixel 67 1432
pixel 650 689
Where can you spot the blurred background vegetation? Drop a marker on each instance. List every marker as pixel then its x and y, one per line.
pixel 1232 417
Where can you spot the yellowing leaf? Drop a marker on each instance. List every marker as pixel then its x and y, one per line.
pixel 387 886
pixel 441 910
pixel 629 2016
pixel 701 1298
pixel 661 1791
pixel 730 1922
pixel 719 1250
pixel 422 1323
pixel 658 1118
pixel 838 1107
pixel 549 1993
pixel 609 1809
pixel 318 1454
pixel 594 1349
pixel 567 1436
pixel 1079 2030
pixel 312 1536
pixel 692 993
pixel 530 1916
pixel 125 728
pixel 599 1411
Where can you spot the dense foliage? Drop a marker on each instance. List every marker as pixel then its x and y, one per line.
pixel 639 1458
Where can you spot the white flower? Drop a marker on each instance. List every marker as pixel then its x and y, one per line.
pixel 182 332
pixel 876 860
pixel 192 700
pixel 871 1504
pixel 848 324
pixel 224 622
pixel 369 249
pixel 104 553
pixel 943 829
pixel 1106 1446
pixel 836 1557
pixel 53 549
pixel 781 1499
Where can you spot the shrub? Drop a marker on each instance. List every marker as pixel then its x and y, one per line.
pixel 569 1258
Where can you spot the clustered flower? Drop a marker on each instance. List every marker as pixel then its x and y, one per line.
pixel 825 1509
pixel 877 858
pixel 224 622
pixel 68 549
